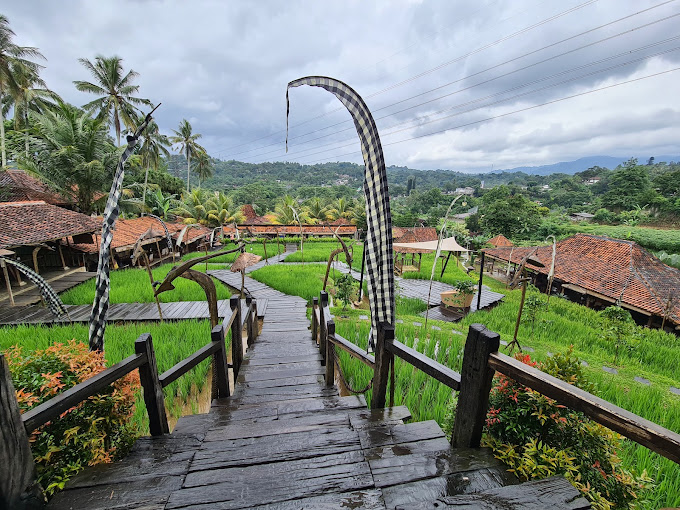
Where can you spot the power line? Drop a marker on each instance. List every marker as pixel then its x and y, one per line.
pixel 417 119
pixel 625 32
pixel 444 64
pixel 506 114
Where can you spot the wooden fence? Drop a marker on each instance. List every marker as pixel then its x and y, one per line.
pixel 15 454
pixel 481 360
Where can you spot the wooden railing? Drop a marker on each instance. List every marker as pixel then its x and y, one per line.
pixel 15 427
pixel 481 360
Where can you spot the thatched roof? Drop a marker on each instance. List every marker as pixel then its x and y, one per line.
pixel 244 260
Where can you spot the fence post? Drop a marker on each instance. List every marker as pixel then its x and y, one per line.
pixel 252 332
pixel 383 358
pixel 236 336
pixel 220 363
pixel 315 326
pixel 249 321
pixel 475 384
pixel 153 391
pixel 322 326
pixel 330 354
pixel 18 488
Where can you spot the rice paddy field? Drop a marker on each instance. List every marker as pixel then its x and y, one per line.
pixel 134 286
pixel 655 356
pixel 172 341
pixel 320 251
pixel 256 246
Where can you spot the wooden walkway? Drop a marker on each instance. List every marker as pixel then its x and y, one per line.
pixel 29 294
pixel 286 441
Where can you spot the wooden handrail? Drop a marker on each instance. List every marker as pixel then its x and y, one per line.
pixel 228 321
pixel 51 409
pixel 663 441
pixel 352 349
pixel 422 362
pixel 181 368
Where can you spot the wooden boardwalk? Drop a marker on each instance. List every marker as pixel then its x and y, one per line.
pixel 285 440
pixel 58 280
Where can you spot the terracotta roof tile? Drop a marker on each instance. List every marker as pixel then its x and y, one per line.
pixel 18 186
pixel 29 223
pixel 500 241
pixel 420 234
pixel 612 267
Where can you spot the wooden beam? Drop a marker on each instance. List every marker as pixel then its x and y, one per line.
pixel 353 350
pixel 431 367
pixel 383 358
pixel 151 386
pixel 7 282
pixel 644 432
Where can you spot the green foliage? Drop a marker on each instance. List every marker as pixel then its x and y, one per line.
pixel 95 431
pixel 670 259
pixel 344 289
pixel 532 308
pixel 618 327
pixel 465 287
pixel 514 216
pixel 649 238
pixel 538 438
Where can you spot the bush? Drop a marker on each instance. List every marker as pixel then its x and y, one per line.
pixel 95 431
pixel 537 438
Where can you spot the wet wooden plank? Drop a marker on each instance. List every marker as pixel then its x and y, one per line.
pixel 282 360
pixel 285 392
pixel 280 373
pixel 395 433
pixel 555 493
pixel 149 494
pixel 245 487
pixel 368 499
pixel 432 489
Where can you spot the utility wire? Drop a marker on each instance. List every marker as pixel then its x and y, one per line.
pixel 444 64
pixel 484 71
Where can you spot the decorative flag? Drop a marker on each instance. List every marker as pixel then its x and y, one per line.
pixel 378 252
pixel 51 298
pixel 100 306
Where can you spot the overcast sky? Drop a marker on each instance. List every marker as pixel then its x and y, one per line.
pixel 224 66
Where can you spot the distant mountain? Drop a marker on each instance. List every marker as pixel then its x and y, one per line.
pixel 581 164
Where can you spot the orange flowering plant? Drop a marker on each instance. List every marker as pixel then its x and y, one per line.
pixel 96 430
pixel 537 438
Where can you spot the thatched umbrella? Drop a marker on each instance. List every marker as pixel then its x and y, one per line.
pixel 243 261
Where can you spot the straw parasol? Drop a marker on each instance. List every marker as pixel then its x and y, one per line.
pixel 243 261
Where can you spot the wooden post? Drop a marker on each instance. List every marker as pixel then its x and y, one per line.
pixel 475 384
pixel 153 391
pixel 220 362
pixel 61 256
pixel 18 487
pixel 3 264
pixel 322 325
pixel 315 325
pixel 383 358
pixel 236 336
pixel 481 278
pixel 35 258
pixel 252 333
pixel 249 321
pixel 330 355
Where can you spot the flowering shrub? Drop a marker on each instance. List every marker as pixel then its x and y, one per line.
pixel 96 430
pixel 537 438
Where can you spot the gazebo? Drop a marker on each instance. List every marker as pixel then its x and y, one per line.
pixel 449 245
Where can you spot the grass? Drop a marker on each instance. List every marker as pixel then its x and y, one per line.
pixel 453 273
pixel 305 281
pixel 256 247
pixel 172 341
pixel 133 286
pixel 319 252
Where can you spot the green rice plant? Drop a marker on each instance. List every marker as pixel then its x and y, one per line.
pixel 454 270
pixel 172 341
pixel 305 281
pixel 320 251
pixel 133 286
pixel 255 246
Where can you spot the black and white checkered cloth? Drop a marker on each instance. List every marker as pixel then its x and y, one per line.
pixel 100 306
pixel 379 257
pixel 49 295
pixel 165 227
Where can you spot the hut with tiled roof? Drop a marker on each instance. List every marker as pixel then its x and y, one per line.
pixel 600 271
pixel 414 234
pixel 500 241
pixel 18 186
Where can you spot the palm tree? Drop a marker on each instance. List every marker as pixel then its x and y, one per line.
pixel 202 167
pixel 316 210
pixel 158 203
pixel 192 207
pixel 222 211
pixel 342 208
pixel 116 103
pixel 155 144
pixel 74 154
pixel 187 144
pixel 32 95
pixel 11 55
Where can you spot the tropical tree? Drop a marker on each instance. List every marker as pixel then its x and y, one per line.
pixel 116 102
pixel 202 166
pixel 285 211
pixel 11 56
pixel 208 208
pixel 154 146
pixel 74 154
pixel 192 207
pixel 222 211
pixel 186 141
pixel 342 208
pixel 316 210
pixel 159 203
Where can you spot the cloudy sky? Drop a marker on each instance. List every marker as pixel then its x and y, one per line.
pixel 452 84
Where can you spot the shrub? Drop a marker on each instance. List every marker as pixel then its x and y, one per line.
pixel 96 430
pixel 537 438
pixel 344 289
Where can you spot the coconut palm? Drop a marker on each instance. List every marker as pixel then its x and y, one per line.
pixel 284 210
pixel 158 203
pixel 32 95
pixel 316 210
pixel 186 140
pixel 154 146
pixel 202 167
pixel 342 208
pixel 192 207
pixel 11 55
pixel 222 211
pixel 117 102
pixel 74 154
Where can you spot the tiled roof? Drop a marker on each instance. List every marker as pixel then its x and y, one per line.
pixel 251 216
pixel 612 267
pixel 30 223
pixel 420 234
pixel 126 233
pixel 500 241
pixel 18 186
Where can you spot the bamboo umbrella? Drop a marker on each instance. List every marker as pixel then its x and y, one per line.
pixel 243 261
